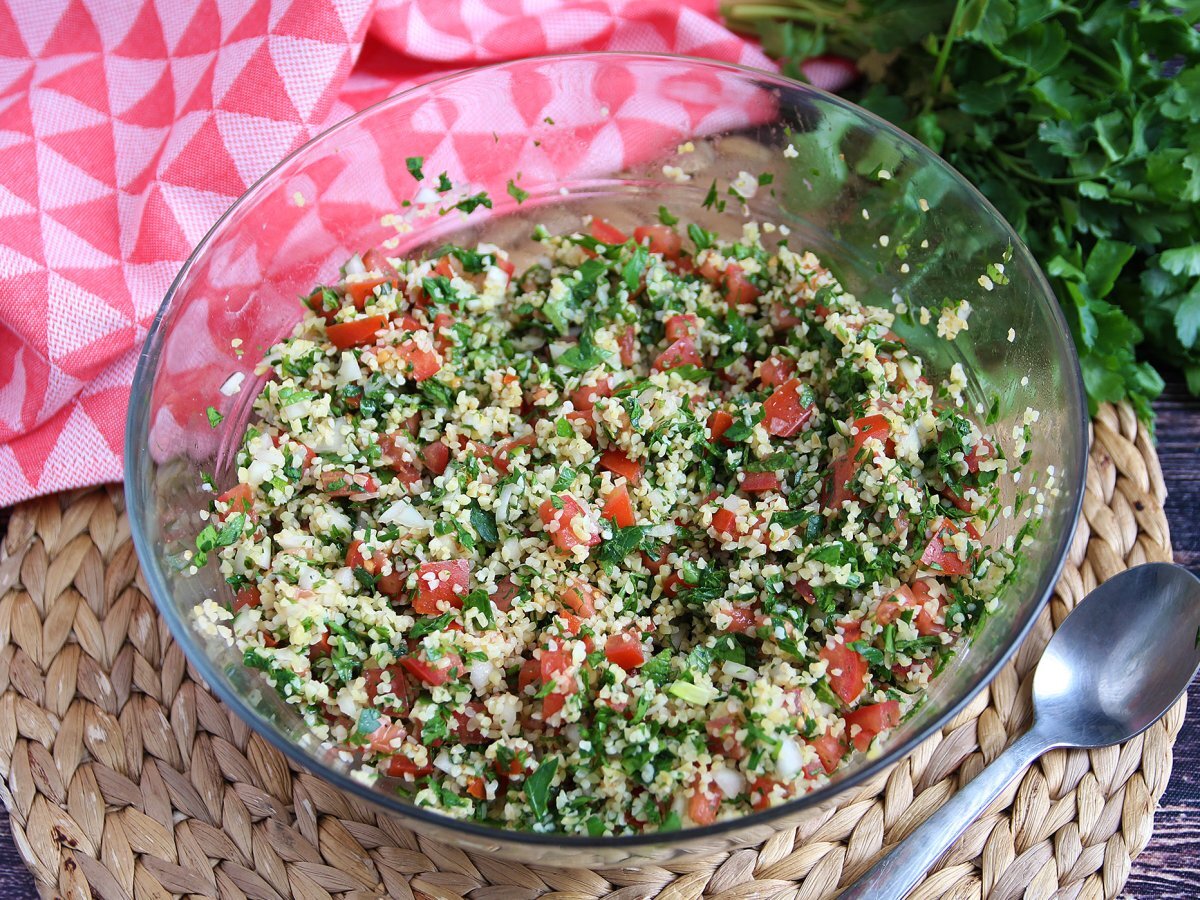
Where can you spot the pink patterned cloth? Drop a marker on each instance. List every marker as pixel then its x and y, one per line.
pixel 126 129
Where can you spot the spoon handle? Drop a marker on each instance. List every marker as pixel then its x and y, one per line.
pixel 900 870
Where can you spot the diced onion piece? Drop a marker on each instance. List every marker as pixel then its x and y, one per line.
pixel 790 760
pixel 504 500
pixel 695 694
pixel 738 671
pixel 730 781
pixel 481 673
pixel 354 266
pixel 349 371
pixel 404 513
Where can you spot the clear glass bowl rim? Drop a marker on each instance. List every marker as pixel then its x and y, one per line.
pixel 137 425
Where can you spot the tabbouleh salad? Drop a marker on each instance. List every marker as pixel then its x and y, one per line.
pixel 657 531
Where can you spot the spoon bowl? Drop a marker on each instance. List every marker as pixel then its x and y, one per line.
pixel 1113 668
pixel 1121 659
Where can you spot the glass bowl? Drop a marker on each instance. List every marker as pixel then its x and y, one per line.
pixel 614 135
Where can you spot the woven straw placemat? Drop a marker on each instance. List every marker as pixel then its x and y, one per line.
pixel 125 777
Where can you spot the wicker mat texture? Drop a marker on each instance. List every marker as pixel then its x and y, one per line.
pixel 125 778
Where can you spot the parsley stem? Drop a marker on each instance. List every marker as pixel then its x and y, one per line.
pixel 735 13
pixel 939 70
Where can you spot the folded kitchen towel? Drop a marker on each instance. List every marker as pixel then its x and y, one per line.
pixel 126 129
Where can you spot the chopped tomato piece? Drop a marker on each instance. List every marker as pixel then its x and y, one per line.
pixel 606 233
pixel 725 524
pixel 436 457
pixel 247 598
pixel 785 411
pixel 530 675
pixel 661 239
pixel 709 270
pixel 356 333
pixel 397 685
pixel 673 583
pixel 477 787
pixel 580 598
pixel 438 581
pixel 681 353
pixel 837 490
pixel 625 650
pixel 847 669
pixel 981 451
pixel 552 664
pixel 564 516
pixel 447 666
pixel 718 424
pixel 392 584
pixel 763 788
pixel 584 398
pixel 722 737
pixel 506 266
pixel 681 326
pixel 572 624
pixel 385 738
pixel 805 591
pixel 704 805
pixel 784 317
pixel 375 260
pixel 400 457
pixel 552 704
pixel 776 370
pixel 355 558
pixel 321 647
pixel 875 426
pixel 941 559
pixel 239 499
pixel 620 464
pixel 442 322
pixel 758 482
pixel 618 508
pixel 510 447
pixel 628 345
pixel 464 724
pixel 870 721
pixel 421 363
pixel 363 290
pixel 656 562
pixel 738 288
pixel 830 751
pixel 743 619
pixel 445 267
pixel 344 484
pixel 890 609
pixel 914 597
pixel 400 766
pixel 506 591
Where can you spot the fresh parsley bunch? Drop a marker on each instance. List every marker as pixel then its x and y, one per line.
pixel 1080 121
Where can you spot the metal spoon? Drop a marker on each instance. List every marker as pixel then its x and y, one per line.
pixel 1114 667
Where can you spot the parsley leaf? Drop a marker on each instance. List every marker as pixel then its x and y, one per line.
pixel 484 524
pixel 537 786
pixel 430 625
pixel 628 540
pixel 1085 140
pixel 214 417
pixel 414 163
pixel 516 193
pixel 472 203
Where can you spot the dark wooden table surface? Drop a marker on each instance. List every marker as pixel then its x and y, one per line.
pixel 1170 866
